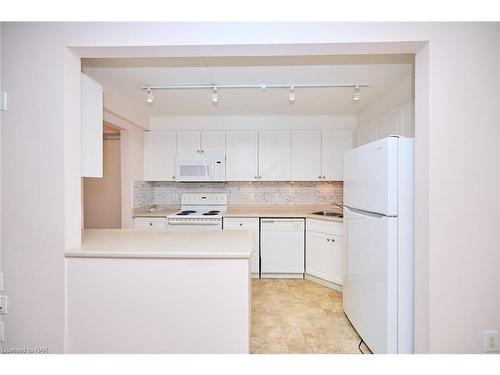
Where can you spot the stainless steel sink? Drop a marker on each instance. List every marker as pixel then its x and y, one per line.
pixel 328 213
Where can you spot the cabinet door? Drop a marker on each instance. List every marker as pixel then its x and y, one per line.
pixel 241 155
pixel 91 128
pixel 338 264
pixel 213 141
pixel 188 144
pixel 319 255
pixel 149 223
pixel 406 121
pixel 236 223
pixel 274 155
pixel 306 155
pixel 334 144
pixel 389 124
pixel 159 155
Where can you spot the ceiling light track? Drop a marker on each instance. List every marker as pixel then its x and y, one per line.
pixel 261 86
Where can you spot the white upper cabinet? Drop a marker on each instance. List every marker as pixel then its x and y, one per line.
pixel 252 155
pixel 406 119
pixel 389 124
pixel 241 155
pixel 189 143
pixel 213 141
pixel 274 155
pixel 306 155
pixel 159 155
pixel 194 143
pixel 91 128
pixel 334 144
pixel 397 121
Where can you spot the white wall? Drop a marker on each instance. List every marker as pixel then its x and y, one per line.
pixel 252 122
pixel 125 107
pixel 457 153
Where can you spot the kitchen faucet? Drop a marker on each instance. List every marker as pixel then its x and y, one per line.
pixel 341 206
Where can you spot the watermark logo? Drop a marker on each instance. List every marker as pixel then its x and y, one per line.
pixel 35 350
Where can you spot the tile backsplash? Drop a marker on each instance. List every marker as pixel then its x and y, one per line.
pixel 241 193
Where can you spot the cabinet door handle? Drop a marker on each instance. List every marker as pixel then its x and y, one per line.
pixel 328 239
pixel 323 177
pixel 319 177
pixel 202 151
pixel 197 151
pixel 173 177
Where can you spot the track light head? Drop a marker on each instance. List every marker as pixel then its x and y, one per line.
pixel 291 94
pixel 150 98
pixel 215 95
pixel 356 94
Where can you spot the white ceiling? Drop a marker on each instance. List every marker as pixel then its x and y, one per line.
pixel 127 76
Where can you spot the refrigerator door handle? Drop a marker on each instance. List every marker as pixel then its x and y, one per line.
pixel 367 213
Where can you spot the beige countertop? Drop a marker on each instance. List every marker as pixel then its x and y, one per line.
pixel 256 211
pixel 163 212
pixel 129 243
pixel 282 211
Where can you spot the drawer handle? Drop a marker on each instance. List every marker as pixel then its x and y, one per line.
pixel 241 224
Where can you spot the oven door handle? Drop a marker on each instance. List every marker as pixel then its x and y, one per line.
pixel 199 223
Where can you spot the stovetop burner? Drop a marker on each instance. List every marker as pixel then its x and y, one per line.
pixel 186 212
pixel 211 213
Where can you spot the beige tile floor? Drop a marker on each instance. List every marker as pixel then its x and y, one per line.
pixel 299 316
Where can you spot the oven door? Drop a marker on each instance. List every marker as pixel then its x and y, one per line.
pixel 197 170
pixel 173 225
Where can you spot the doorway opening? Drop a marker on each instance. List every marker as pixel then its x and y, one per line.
pixel 102 196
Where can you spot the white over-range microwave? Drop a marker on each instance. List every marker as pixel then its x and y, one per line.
pixel 209 167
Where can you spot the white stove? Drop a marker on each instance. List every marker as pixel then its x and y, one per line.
pixel 200 211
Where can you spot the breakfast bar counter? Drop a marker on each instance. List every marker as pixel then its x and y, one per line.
pixel 130 291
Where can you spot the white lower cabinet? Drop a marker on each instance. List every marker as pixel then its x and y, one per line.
pixel 150 223
pixel 247 223
pixel 325 250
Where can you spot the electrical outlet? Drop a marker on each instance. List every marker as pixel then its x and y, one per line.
pixel 490 341
pixel 3 304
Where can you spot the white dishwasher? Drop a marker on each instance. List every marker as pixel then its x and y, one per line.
pixel 281 248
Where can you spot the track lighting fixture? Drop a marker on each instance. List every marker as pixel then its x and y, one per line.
pixel 215 95
pixel 150 98
pixel 291 94
pixel 356 94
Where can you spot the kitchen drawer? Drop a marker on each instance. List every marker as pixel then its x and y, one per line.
pixel 323 226
pixel 150 223
pixel 244 223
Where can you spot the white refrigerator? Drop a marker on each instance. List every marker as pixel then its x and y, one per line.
pixel 378 294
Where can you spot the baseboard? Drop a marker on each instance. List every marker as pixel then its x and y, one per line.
pixel 320 281
pixel 282 276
